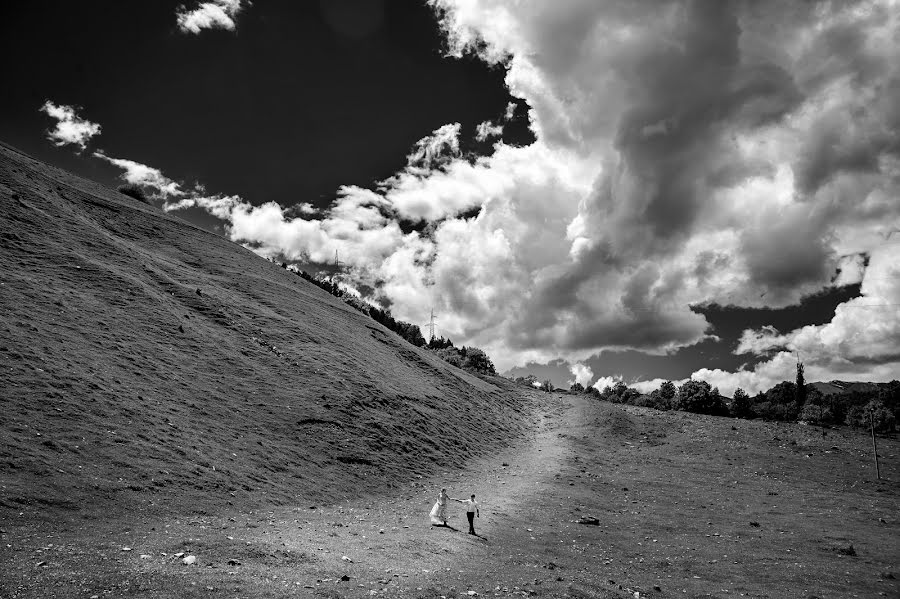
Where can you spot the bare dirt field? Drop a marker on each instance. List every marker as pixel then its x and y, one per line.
pixel 687 506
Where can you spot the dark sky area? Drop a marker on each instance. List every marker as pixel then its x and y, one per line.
pixel 286 108
pixel 727 324
pixel 302 98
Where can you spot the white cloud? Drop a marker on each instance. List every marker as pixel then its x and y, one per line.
pixel 216 14
pixel 486 129
pixel 862 340
pixel 147 176
pixel 434 150
pixel 582 373
pixel 510 111
pixel 652 385
pixel 70 128
pixel 685 153
pixel 607 381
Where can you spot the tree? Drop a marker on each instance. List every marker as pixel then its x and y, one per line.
pixel 667 390
pixel 135 191
pixel 661 398
pixel 815 414
pixel 476 359
pixel 782 393
pixel 576 387
pixel 699 398
pixel 547 386
pixel 801 385
pixel 740 404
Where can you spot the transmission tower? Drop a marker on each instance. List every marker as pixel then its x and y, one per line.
pixel 337 262
pixel 431 324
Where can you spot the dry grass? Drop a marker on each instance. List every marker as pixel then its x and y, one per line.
pixel 144 361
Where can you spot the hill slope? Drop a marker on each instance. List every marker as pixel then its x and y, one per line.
pixel 144 359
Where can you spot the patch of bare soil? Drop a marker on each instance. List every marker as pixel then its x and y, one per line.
pixel 597 501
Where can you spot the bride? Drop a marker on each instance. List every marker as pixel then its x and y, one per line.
pixel 438 513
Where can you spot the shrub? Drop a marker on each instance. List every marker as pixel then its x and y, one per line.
pixel 662 398
pixel 451 356
pixel 576 387
pixel 654 400
pixel 476 359
pixel 816 414
pixel 768 410
pixel 135 191
pixel 699 398
pixel 740 404
pixel 884 419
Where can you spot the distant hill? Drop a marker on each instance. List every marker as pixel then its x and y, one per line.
pixel 146 361
pixel 839 387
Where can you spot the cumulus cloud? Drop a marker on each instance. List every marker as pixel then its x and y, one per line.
pixel 510 111
pixel 686 153
pixel 582 373
pixel 652 385
pixel 70 128
pixel 607 381
pixel 217 14
pixel 486 130
pixel 146 176
pixel 861 340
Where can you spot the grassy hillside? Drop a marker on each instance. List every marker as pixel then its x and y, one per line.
pixel 143 361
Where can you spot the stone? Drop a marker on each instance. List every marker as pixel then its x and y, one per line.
pixel 189 560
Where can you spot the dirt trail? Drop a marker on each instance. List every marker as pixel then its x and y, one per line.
pixel 675 520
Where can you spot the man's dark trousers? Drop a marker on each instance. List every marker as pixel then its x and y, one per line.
pixel 471 517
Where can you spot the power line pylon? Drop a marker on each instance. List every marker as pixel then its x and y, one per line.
pixel 431 324
pixel 337 262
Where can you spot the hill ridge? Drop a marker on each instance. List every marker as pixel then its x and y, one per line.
pixel 143 357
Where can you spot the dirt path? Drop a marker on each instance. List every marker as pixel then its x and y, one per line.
pixel 688 506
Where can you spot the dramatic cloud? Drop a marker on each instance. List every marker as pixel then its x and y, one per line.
pixel 146 176
pixel 70 129
pixel 862 340
pixel 582 373
pixel 486 129
pixel 217 14
pixel 686 153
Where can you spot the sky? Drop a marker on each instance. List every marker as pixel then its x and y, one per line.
pixel 590 190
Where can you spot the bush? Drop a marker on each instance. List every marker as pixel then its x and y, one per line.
pixel 135 191
pixel 451 356
pixel 858 416
pixel 655 400
pixel 699 398
pixel 740 404
pixel 768 410
pixel 816 414
pixel 476 359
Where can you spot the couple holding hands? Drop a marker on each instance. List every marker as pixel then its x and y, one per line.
pixel 438 513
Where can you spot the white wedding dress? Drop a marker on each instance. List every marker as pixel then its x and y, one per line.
pixel 438 513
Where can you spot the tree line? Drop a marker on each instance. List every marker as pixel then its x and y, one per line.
pixel 788 401
pixel 467 358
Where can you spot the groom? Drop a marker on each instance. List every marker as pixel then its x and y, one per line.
pixel 471 513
